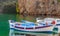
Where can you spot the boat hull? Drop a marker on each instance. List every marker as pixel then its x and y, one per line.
pixel 45 29
pixel 17 27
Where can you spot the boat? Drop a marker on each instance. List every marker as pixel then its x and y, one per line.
pixel 46 21
pixel 53 21
pixel 30 27
pixel 49 20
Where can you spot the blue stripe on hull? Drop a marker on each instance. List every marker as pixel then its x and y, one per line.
pixel 58 25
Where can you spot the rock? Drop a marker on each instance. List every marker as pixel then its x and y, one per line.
pixel 37 6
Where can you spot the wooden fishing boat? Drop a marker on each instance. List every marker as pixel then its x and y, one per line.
pixel 30 27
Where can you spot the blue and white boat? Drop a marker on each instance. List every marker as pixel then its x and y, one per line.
pixel 54 21
pixel 30 26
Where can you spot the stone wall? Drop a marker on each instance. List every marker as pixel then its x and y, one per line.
pixel 58 9
pixel 38 6
pixel 6 6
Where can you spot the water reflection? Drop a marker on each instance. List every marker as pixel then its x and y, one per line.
pixel 33 17
pixel 22 17
pixel 11 33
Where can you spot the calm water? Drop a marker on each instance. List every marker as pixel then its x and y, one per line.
pixel 4 26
